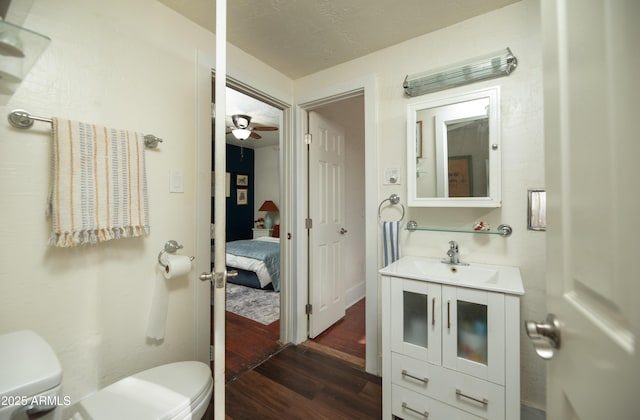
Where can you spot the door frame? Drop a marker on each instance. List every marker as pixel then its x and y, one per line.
pixel 363 86
pixel 285 195
pixel 204 75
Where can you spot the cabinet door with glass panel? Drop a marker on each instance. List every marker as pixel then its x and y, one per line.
pixel 473 331
pixel 416 326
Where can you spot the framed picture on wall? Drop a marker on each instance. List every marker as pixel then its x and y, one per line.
pixel 242 180
pixel 460 176
pixel 242 197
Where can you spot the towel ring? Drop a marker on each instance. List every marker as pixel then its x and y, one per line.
pixel 394 199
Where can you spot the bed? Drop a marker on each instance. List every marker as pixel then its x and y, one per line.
pixel 257 262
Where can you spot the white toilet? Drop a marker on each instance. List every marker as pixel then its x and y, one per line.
pixel 31 376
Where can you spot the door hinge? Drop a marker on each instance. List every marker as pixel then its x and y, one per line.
pixel 211 353
pixel 308 224
pixel 308 309
pixel 307 138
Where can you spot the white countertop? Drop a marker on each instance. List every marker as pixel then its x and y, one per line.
pixel 498 278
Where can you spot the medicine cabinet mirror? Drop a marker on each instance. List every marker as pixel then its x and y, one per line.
pixel 453 150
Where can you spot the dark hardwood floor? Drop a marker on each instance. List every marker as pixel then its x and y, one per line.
pixel 346 338
pixel 300 382
pixel 322 379
pixel 248 343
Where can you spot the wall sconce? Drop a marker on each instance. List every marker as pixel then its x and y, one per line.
pixel 268 206
pixel 486 67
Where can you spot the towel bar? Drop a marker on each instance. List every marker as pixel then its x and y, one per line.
pixel 19 118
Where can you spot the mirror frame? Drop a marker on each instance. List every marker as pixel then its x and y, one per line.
pixel 442 99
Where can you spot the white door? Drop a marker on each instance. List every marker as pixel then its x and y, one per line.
pixel 591 64
pixel 326 210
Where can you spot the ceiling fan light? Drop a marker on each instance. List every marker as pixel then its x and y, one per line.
pixel 241 133
pixel 241 121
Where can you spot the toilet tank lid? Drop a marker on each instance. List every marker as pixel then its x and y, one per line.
pixel 28 364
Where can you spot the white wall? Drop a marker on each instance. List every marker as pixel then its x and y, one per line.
pixel 518 27
pixel 267 181
pixel 128 65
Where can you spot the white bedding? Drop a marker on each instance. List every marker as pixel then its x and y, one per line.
pixel 251 264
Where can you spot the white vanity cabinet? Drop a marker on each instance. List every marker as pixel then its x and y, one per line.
pixel 450 341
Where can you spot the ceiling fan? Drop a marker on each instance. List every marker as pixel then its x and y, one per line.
pixel 241 129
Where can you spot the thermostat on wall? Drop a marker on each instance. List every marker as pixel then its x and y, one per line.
pixel 391 176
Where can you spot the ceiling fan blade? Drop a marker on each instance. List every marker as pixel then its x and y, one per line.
pixel 255 135
pixel 265 128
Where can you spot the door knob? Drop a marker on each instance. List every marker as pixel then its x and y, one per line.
pixel 545 336
pixel 206 276
pixel 343 231
pixel 220 278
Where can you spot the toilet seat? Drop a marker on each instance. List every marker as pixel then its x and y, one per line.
pixel 175 391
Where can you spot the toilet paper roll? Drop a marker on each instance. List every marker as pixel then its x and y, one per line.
pixel 176 266
pixel 159 308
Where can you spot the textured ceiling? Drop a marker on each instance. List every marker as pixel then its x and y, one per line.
pixel 301 37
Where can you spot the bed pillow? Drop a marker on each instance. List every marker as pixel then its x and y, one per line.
pixel 276 231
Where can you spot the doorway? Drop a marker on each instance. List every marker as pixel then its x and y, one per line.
pixel 253 179
pixel 337 296
pixel 307 101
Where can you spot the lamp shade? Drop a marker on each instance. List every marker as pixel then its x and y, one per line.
pixel 268 205
pixel 241 133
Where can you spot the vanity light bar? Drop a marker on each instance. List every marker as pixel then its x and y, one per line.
pixel 490 66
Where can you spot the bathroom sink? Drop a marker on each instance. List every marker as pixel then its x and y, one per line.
pixel 504 279
pixel 468 273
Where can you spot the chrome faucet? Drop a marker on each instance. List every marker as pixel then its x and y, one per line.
pixel 453 254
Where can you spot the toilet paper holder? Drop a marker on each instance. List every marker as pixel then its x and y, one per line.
pixel 170 247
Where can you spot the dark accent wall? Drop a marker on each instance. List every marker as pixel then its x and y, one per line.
pixel 239 217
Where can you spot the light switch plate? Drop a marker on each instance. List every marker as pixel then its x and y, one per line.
pixel 176 182
pixel 391 176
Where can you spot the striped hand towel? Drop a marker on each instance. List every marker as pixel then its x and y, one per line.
pixel 98 185
pixel 390 242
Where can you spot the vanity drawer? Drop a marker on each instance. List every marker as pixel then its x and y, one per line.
pixel 410 405
pixel 477 396
pixel 482 398
pixel 416 375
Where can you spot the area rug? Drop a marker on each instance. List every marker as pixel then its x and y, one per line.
pixel 262 306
